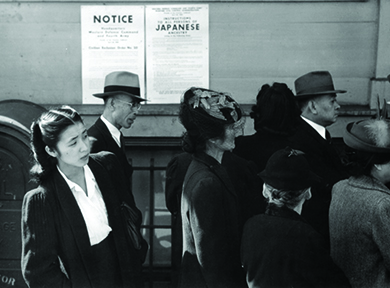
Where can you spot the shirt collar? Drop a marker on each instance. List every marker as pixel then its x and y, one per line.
pixel 87 174
pixel 115 133
pixel 320 129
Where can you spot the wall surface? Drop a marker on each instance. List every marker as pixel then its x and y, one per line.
pixel 251 43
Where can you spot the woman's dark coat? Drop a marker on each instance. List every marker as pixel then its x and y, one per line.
pixel 211 218
pixel 260 146
pixel 54 233
pixel 280 249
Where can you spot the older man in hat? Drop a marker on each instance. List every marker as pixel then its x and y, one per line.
pixel 122 100
pixel 316 96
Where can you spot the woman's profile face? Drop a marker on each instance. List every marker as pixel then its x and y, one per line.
pixel 73 147
pixel 227 143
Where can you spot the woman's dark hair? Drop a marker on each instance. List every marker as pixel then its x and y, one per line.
pixel 276 110
pixel 361 163
pixel 199 124
pixel 45 131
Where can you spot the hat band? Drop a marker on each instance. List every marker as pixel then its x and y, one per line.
pixel 128 89
pixel 317 89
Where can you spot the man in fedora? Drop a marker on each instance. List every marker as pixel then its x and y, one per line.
pixel 122 101
pixel 316 97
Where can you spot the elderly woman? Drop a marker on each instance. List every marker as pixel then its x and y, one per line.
pixel 210 205
pixel 359 216
pixel 279 248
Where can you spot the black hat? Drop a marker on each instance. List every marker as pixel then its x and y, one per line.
pixel 315 84
pixel 288 169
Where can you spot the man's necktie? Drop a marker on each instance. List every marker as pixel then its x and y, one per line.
pixel 122 140
pixel 328 137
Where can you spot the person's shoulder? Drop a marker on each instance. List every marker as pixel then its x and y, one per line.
pixel 105 158
pixel 94 128
pixel 246 140
pixel 38 194
pixel 180 159
pixel 234 161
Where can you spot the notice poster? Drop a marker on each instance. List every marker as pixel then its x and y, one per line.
pixel 112 39
pixel 177 45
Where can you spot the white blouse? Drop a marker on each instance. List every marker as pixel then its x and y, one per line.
pixel 92 206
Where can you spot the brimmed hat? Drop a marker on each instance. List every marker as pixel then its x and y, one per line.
pixel 371 135
pixel 315 84
pixel 217 105
pixel 288 169
pixel 121 82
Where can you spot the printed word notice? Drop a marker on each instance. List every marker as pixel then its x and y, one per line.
pixel 112 39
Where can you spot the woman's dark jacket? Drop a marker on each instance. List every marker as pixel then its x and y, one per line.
pixel 54 233
pixel 211 218
pixel 260 146
pixel 280 249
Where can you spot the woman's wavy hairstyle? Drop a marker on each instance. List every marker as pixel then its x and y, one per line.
pixel 46 131
pixel 280 197
pixel 199 124
pixel 276 110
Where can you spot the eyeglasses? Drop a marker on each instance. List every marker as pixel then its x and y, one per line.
pixel 135 105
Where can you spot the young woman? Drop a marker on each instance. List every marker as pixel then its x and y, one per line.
pixel 72 231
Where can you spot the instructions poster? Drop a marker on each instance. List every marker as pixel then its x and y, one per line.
pixel 177 50
pixel 112 40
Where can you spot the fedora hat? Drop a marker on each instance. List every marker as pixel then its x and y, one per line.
pixel 314 84
pixel 121 82
pixel 288 169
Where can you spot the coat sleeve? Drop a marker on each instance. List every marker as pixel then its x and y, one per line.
pixel 381 229
pixel 175 173
pixel 40 263
pixel 210 229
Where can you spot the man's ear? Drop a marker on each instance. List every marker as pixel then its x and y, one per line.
pixel 312 106
pixel 50 151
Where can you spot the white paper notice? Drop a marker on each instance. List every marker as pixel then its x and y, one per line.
pixel 177 50
pixel 112 40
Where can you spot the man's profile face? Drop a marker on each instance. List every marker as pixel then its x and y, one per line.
pixel 327 109
pixel 124 114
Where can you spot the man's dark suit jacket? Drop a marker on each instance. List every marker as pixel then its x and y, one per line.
pixel 101 140
pixel 326 163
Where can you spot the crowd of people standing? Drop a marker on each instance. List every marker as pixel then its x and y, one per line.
pixel 280 208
